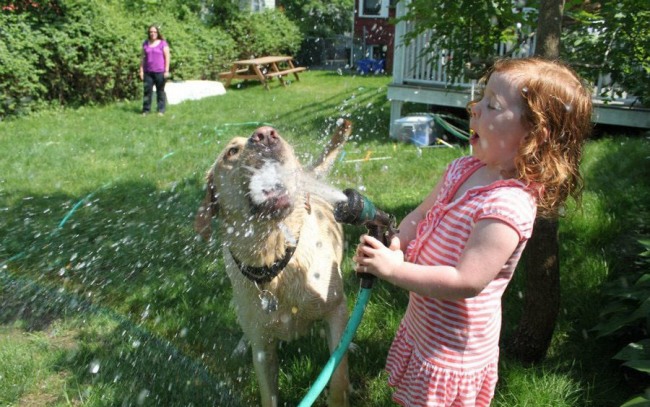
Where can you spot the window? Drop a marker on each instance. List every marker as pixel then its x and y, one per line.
pixel 373 8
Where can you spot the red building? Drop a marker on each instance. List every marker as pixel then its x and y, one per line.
pixel 373 33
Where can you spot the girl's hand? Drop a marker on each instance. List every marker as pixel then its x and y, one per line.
pixel 375 258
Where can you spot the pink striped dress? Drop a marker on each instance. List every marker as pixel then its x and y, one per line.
pixel 445 353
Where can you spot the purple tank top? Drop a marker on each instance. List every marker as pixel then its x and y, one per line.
pixel 154 57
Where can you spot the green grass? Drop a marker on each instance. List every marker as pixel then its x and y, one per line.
pixel 107 297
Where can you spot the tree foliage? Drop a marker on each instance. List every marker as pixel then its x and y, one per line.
pixel 266 33
pixel 614 38
pixel 318 18
pixel 602 37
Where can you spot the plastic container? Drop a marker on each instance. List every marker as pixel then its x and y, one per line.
pixel 418 130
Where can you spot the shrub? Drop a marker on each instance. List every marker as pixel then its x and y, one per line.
pixel 628 315
pixel 266 33
pixel 91 55
pixel 21 49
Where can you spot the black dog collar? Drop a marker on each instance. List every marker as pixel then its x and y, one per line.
pixel 264 274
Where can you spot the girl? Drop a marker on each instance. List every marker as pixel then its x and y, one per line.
pixel 457 251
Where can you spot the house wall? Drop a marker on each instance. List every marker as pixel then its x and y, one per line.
pixel 375 31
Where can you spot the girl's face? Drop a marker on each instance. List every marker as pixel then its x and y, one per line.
pixel 495 123
pixel 153 33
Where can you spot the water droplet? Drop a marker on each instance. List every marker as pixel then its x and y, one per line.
pixel 144 393
pixel 261 356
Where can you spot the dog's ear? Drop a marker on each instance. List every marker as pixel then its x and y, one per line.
pixel 325 162
pixel 208 209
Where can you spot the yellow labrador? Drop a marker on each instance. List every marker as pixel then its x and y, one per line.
pixel 282 248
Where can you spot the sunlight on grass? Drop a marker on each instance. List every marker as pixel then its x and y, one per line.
pixel 28 372
pixel 532 387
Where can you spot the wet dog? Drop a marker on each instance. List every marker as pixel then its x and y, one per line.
pixel 282 248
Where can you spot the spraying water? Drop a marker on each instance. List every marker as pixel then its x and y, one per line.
pixel 310 184
pixel 273 176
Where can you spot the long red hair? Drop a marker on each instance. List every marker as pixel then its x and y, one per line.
pixel 557 110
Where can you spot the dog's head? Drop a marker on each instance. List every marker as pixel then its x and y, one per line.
pixel 250 177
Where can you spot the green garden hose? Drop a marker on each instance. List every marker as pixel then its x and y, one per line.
pixel 336 357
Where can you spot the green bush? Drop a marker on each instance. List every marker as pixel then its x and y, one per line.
pixel 628 314
pixel 21 49
pixel 266 33
pixel 91 56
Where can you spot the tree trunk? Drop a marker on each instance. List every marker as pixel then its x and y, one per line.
pixel 549 29
pixel 532 338
pixel 542 294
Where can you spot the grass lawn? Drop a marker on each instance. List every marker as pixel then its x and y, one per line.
pixel 108 298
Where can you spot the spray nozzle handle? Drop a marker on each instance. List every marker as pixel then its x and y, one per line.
pixel 359 211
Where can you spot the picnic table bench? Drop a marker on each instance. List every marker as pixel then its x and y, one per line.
pixel 262 69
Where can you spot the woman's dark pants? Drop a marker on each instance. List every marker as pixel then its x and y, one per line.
pixel 151 79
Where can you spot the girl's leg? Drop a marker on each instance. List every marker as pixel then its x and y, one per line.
pixel 147 90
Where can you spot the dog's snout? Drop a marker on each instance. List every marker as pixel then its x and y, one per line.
pixel 265 135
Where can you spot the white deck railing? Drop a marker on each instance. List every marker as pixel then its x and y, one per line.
pixel 428 67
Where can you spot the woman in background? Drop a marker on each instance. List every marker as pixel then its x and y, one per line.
pixel 154 69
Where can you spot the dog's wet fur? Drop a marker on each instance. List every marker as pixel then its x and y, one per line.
pixel 254 189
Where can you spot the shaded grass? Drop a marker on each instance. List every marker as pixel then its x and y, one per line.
pixel 147 304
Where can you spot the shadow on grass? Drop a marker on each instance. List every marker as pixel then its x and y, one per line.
pixel 149 302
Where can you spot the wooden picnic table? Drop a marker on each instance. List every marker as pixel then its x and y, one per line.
pixel 262 69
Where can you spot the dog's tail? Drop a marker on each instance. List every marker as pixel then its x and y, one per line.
pixel 325 162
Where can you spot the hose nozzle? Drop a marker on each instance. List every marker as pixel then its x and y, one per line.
pixel 359 211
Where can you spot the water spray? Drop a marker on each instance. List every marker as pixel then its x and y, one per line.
pixel 356 210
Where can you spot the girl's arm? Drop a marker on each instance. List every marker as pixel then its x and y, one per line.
pixel 490 245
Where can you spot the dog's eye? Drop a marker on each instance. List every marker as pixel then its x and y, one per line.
pixel 233 151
